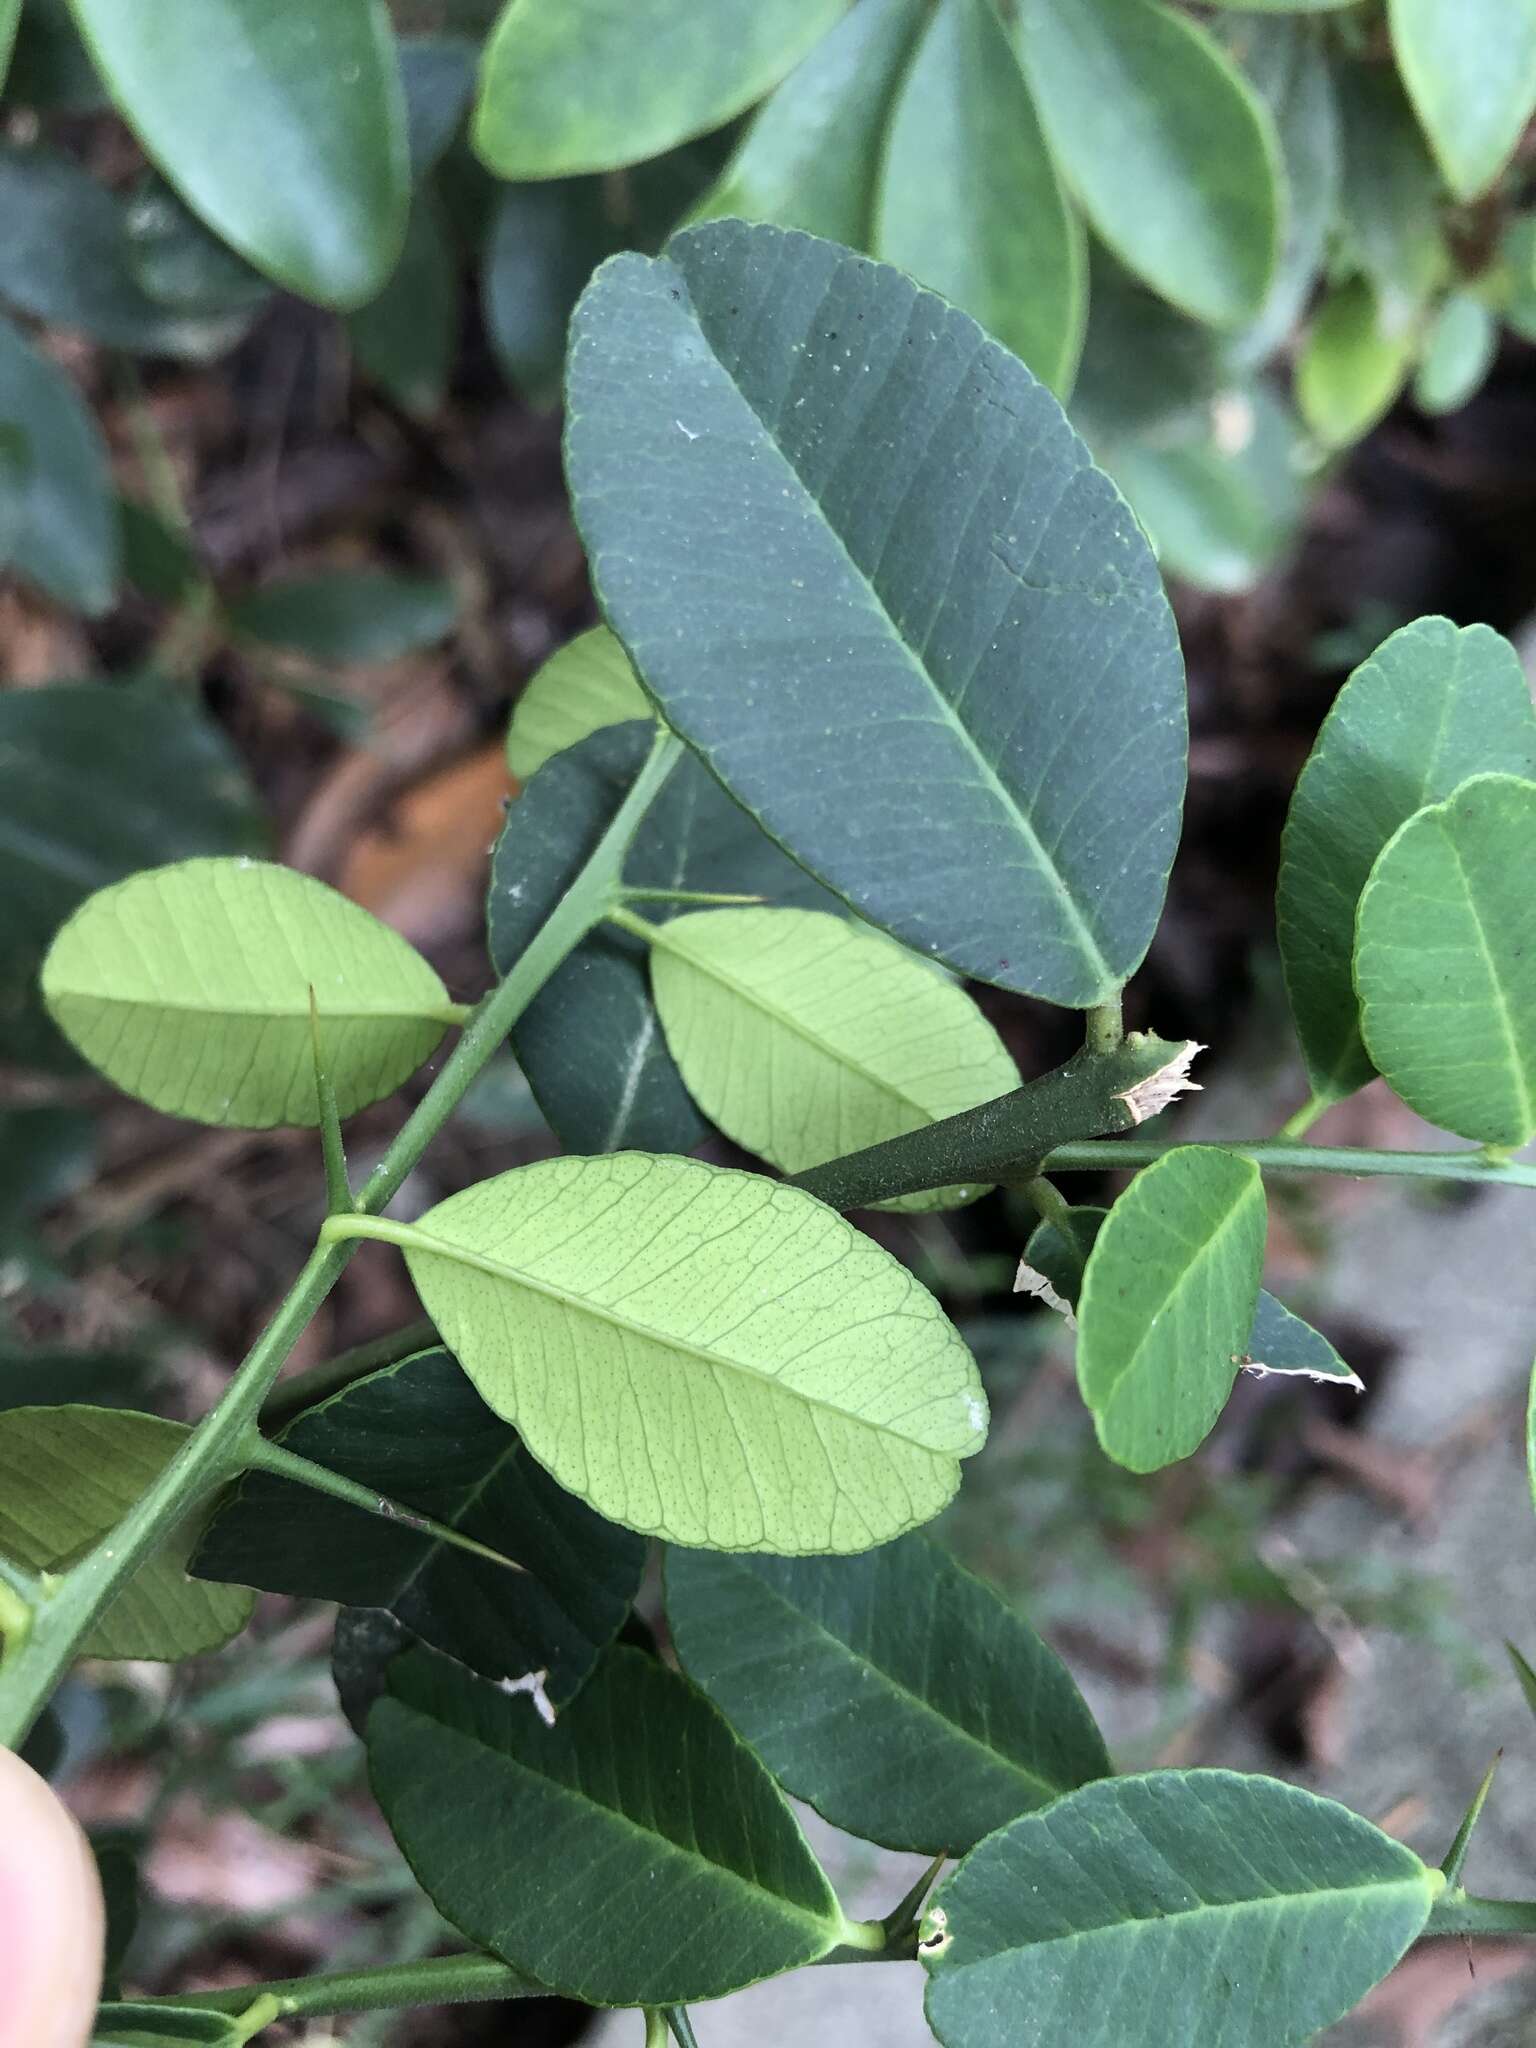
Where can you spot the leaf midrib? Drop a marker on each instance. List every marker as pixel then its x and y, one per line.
pixel 1091 951
pixel 267 1014
pixel 421 1243
pixel 1047 1786
pixel 1273 1902
pixel 1495 981
pixel 664 936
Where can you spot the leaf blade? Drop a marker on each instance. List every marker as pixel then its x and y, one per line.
pixel 584 686
pixel 713 379
pixel 840 1673
pixel 1470 71
pixel 189 986
pixel 786 1445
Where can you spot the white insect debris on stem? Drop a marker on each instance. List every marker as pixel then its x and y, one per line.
pixel 532 1683
pixel 1150 1097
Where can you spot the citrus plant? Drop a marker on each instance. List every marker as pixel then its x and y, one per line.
pixel 889 694
pixel 888 697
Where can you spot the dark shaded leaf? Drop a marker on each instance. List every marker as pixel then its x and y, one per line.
pixel 422 1436
pixel 925 529
pixel 900 1696
pixel 63 530
pixel 350 615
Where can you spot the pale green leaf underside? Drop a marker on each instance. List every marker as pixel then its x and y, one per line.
pixel 703 1354
pixel 579 690
pixel 67 1476
pixel 587 85
pixel 1435 704
pixel 946 689
pixel 1470 70
pixel 804 1038
pixel 1189 1906
pixel 189 987
pixel 1353 363
pixel 969 199
pixel 1170 151
pixel 1445 961
pixel 896 1693
pixel 1168 1303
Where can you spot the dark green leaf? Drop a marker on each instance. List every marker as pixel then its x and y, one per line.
pixel 1146 370
pixel 1432 706
pixel 811 156
pixel 1459 349
pixel 64 534
pixel 591 1043
pixel 282 125
pixel 1194 1906
pixel 970 203
pixel 184 267
pixel 405 338
pixel 578 85
pixel 1523 1671
pixel 1470 70
pixel 1169 149
pixel 1444 964
pixel 438 75
pixel 898 1694
pixel 421 1435
pixel 651 1823
pixel 67 1476
pixel 45 1375
pixel 68 258
pixel 1281 1342
pixel 1168 1300
pixel 365 1642
pixel 544 243
pixel 96 782
pixel 117 1851
pixel 957 563
pixel 159 560
pixel 1353 363
pixel 350 615
pixel 50 70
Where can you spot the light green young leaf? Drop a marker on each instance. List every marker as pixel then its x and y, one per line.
pixel 639 1793
pixel 584 686
pixel 348 615
pixel 1434 705
pixel 970 202
pixel 614 1310
pixel 584 85
pixel 805 1038
pixel 68 1476
pixel 1190 1906
pixel 1458 353
pixel 1470 70
pixel 811 156
pixel 65 535
pixel 843 1673
pixel 1167 1303
pixel 1279 1342
pixel 1353 364
pixel 1171 152
pixel 10 14
pixel 956 561
pixel 1445 966
pixel 282 125
pixel 189 987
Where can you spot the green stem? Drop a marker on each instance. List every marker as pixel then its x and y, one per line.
pixel 1106 1026
pixel 1104 1156
pixel 438 1980
pixel 867 1936
pixel 1457 1912
pixel 1300 1121
pixel 656 2028
pixel 1049 1203
pixel 1008 1138
pixel 291 1397
pixel 285 1464
pixel 637 927
pixel 703 897
pixel 220 1447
